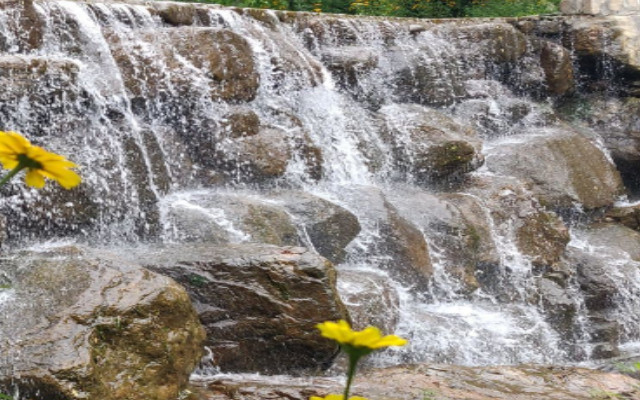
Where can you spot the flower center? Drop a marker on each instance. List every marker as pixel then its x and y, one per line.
pixel 27 162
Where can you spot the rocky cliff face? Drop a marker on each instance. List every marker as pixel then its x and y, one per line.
pixel 461 169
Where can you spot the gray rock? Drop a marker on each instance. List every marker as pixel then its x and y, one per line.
pixel 329 227
pixel 428 145
pixel 221 218
pixel 563 166
pixel 370 299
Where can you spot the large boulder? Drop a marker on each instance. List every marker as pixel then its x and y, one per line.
pixel 328 226
pixel 428 77
pixel 494 111
pixel 78 327
pixel 389 240
pixel 556 62
pixel 602 281
pixel 614 236
pixel 222 58
pixel 491 42
pixel 628 216
pixel 459 226
pixel 617 121
pixel 427 144
pixel 265 154
pixel 370 298
pixel 220 218
pixel 563 166
pixel 454 382
pixel 605 38
pixel 259 304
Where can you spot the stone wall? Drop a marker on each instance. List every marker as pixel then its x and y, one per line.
pixel 600 7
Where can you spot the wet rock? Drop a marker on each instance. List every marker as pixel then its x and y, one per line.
pixel 370 299
pixel 27 22
pixel 518 216
pixel 595 281
pixel 543 237
pixel 494 42
pixel 458 225
pixel 78 327
pixel 224 57
pixel 176 14
pixel 228 218
pixel 559 308
pixel 617 121
pixel 399 248
pixel 563 166
pixel 329 227
pixel 45 91
pixel 427 77
pixel 558 68
pixel 526 382
pixel 259 304
pixel 614 236
pixel 428 145
pixel 493 110
pixel 258 157
pixel 227 59
pixel 347 63
pixel 240 122
pixel 265 155
pixel 628 216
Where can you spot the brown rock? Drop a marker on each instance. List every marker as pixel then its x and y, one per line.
pixel 83 328
pixel 543 237
pixel 240 122
pixel 627 216
pixel 437 382
pixel 558 68
pixel 615 236
pixel 259 304
pixel 176 14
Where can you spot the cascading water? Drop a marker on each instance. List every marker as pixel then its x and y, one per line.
pixel 180 130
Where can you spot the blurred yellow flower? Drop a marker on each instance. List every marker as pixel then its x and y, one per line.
pixel 18 153
pixel 369 337
pixel 336 397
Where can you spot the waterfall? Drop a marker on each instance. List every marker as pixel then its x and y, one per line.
pixel 182 121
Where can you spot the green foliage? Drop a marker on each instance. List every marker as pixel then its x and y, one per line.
pixel 5 397
pixel 407 8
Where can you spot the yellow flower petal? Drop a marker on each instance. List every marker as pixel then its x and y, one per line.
pixel 369 337
pixel 34 179
pixel 40 164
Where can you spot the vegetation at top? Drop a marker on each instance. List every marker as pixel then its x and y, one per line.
pixel 406 8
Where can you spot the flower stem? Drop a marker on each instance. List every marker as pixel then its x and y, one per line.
pixel 12 173
pixel 351 372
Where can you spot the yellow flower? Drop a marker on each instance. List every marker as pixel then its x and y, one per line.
pixel 16 151
pixel 336 397
pixel 369 337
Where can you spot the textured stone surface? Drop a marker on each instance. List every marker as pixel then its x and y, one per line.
pixel 438 382
pixel 329 227
pixel 259 304
pixel 428 145
pixel 78 327
pixel 563 166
